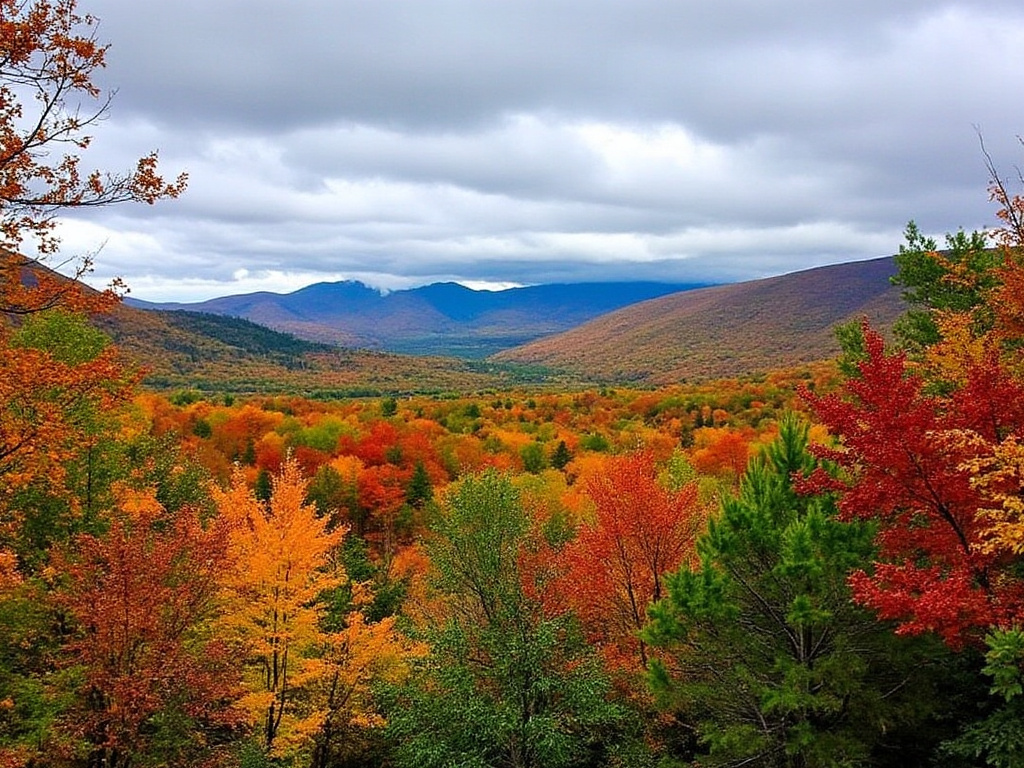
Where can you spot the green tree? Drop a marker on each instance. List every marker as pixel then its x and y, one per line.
pixel 66 495
pixel 421 489
pixel 956 279
pixel 852 345
pixel 561 456
pixel 67 336
pixel 997 733
pixel 263 488
pixel 37 695
pixel 767 653
pixel 332 494
pixel 504 684
pixel 533 457
pixel 202 429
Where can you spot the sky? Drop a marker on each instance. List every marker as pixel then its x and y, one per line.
pixel 514 142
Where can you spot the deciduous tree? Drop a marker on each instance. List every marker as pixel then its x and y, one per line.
pixel 357 658
pixel 912 461
pixel 504 684
pixel 49 55
pixel 616 565
pixel 58 375
pixel 156 683
pixel 282 559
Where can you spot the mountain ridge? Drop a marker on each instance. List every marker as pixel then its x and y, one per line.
pixel 717 332
pixel 440 318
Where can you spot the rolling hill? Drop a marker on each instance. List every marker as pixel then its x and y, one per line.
pixel 215 353
pixel 723 331
pixel 437 319
pixel 189 350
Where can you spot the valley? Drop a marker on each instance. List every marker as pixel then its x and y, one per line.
pixel 716 521
pixel 698 334
pixel 445 319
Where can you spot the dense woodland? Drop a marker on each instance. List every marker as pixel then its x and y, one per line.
pixel 819 567
pixel 812 568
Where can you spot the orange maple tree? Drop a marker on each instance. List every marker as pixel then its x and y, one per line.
pixel 61 384
pixel 49 54
pixel 722 452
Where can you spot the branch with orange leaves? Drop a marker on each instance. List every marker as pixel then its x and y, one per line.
pixel 49 54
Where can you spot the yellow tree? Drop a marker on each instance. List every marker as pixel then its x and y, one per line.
pixel 282 558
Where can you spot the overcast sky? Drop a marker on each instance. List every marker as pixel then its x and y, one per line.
pixel 403 142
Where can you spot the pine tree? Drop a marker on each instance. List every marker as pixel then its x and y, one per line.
pixel 766 651
pixel 420 490
pixel 561 456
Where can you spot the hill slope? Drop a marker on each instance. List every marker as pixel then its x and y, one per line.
pixel 724 331
pixel 188 350
pixel 443 318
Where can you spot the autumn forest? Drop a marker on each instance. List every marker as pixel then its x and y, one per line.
pixel 809 567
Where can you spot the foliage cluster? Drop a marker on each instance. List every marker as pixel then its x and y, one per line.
pixel 692 575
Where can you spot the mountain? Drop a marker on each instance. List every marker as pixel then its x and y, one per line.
pixel 699 334
pixel 724 331
pixel 443 318
pixel 215 353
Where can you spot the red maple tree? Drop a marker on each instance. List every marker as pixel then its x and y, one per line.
pixel 140 597
pixel 615 567
pixel 908 460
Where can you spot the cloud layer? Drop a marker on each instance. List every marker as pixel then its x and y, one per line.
pixel 405 142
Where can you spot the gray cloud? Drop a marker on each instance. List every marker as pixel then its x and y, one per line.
pixel 404 141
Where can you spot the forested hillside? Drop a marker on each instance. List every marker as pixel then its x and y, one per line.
pixel 741 329
pixel 728 330
pixel 213 353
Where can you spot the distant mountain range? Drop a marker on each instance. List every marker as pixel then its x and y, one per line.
pixel 691 334
pixel 724 331
pixel 438 319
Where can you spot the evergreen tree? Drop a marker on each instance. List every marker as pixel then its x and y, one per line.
pixel 955 280
pixel 767 653
pixel 561 456
pixel 264 486
pixel 420 490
